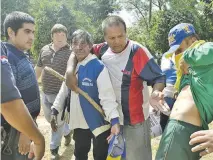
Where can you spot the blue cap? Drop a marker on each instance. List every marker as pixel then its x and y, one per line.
pixel 177 34
pixel 116 146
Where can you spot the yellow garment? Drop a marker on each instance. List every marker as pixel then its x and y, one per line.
pixel 111 158
pixel 177 60
pixel 179 72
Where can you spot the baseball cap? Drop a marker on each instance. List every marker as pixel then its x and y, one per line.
pixel 177 34
pixel 116 146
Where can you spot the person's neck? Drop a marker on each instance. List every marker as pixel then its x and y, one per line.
pixel 16 46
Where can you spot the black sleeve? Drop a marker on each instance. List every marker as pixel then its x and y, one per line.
pixel 9 91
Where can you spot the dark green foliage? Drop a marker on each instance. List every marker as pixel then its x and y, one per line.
pixel 74 14
pixel 154 37
pixel 88 15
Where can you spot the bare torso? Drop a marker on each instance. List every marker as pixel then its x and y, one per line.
pixel 185 109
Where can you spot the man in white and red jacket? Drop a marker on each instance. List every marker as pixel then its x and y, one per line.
pixel 131 68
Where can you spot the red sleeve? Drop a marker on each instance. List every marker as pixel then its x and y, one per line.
pixel 147 68
pixel 96 49
pixel 140 60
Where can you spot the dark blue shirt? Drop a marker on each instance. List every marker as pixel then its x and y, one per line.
pixel 9 91
pixel 25 78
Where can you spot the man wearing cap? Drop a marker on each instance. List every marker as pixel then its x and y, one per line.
pixel 193 109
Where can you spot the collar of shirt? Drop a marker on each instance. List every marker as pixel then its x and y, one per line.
pixel 14 50
pixel 67 46
pixel 85 61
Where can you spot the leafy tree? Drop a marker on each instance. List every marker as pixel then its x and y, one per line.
pixel 46 13
pixel 8 6
pixel 173 12
pixel 96 11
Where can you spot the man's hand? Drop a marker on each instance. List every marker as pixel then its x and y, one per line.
pixel 184 66
pixel 39 150
pixel 157 102
pixel 204 141
pixel 53 123
pixel 24 144
pixel 115 130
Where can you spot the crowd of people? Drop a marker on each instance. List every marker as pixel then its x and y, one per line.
pixel 116 74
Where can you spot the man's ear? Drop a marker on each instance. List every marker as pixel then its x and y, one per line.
pixel 194 39
pixel 10 32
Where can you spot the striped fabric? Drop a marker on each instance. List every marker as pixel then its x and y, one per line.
pixel 55 60
pixel 25 78
pixel 130 72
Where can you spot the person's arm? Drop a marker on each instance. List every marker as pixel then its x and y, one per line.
pixel 38 71
pixel 71 80
pixel 60 98
pixel 146 67
pixel 108 101
pixel 39 66
pixel 149 71
pixel 13 108
pixel 107 96
pixel 158 87
pixel 203 140
pixel 201 56
pixel 17 115
pixel 168 68
pixel 58 105
pixel 99 49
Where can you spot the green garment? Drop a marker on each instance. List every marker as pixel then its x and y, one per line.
pixel 174 143
pixel 200 79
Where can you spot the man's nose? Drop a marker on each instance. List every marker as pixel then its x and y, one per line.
pixel 77 46
pixel 32 36
pixel 116 41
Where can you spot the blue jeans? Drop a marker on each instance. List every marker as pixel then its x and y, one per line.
pixel 63 128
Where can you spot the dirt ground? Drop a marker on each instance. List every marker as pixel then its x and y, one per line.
pixel 66 153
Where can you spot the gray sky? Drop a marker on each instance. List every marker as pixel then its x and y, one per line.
pixel 127 16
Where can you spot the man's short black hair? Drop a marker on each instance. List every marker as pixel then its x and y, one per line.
pixel 111 21
pixel 15 21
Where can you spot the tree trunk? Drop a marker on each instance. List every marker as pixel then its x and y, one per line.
pixel 150 11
